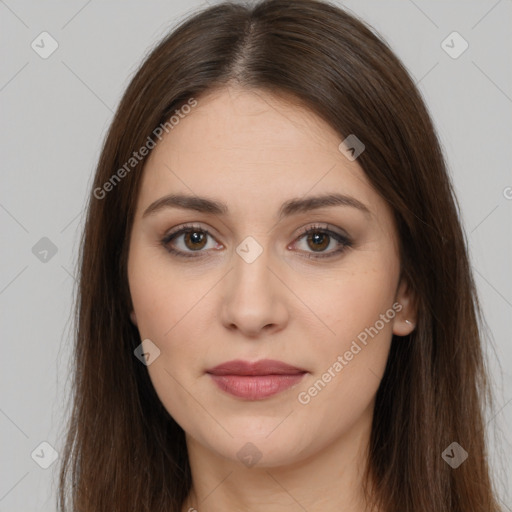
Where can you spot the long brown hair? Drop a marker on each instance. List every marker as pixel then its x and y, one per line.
pixel 123 451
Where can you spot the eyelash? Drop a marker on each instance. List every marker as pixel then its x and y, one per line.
pixel 341 239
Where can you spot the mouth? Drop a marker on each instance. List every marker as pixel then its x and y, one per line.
pixel 255 381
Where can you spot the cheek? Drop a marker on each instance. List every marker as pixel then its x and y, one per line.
pixel 170 312
pixel 354 301
pixel 358 308
pixel 161 298
pixel 165 308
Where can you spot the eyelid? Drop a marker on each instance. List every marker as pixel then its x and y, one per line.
pixel 187 226
pixel 322 227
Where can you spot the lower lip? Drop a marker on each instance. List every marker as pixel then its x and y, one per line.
pixel 255 387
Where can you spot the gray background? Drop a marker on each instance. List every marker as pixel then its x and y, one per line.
pixel 55 113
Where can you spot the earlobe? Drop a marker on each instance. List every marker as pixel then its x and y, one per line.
pixel 133 318
pixel 405 320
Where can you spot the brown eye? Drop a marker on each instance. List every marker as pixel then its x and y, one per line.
pixel 192 241
pixel 195 240
pixel 187 241
pixel 318 241
pixel 319 238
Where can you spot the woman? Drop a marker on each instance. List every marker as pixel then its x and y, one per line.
pixel 275 308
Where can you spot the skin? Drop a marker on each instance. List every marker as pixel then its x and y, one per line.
pixel 254 151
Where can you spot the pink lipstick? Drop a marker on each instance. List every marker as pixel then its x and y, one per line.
pixel 255 381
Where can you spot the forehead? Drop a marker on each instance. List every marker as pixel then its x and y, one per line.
pixel 250 122
pixel 250 144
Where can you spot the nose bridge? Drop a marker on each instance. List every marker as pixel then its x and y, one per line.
pixel 251 250
pixel 252 297
pixel 251 263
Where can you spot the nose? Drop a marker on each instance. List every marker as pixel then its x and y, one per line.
pixel 254 297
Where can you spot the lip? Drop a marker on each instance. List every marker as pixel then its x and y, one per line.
pixel 262 367
pixel 255 381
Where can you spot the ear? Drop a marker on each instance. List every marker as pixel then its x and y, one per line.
pixel 405 319
pixel 133 317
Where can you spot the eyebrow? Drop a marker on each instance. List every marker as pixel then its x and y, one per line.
pixel 290 207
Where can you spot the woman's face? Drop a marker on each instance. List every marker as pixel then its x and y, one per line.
pixel 246 284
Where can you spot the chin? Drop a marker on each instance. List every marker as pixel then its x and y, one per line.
pixel 261 450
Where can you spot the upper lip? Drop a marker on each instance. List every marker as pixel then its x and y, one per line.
pixel 263 367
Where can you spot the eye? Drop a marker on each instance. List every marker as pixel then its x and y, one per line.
pixel 320 238
pixel 194 240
